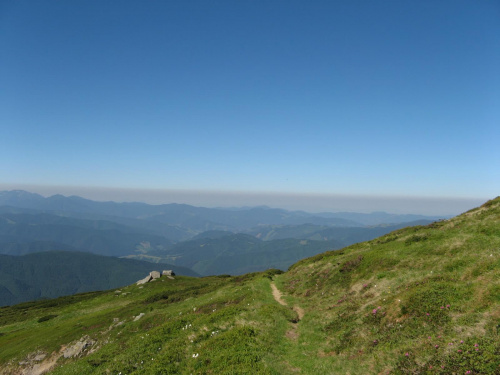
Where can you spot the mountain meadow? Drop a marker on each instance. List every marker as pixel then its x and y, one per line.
pixel 418 300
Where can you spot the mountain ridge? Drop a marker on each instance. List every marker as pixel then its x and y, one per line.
pixel 169 213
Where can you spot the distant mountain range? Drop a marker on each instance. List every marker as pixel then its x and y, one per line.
pixel 207 240
pixel 197 219
pixel 343 235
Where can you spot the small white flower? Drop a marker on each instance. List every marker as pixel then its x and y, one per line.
pixel 195 355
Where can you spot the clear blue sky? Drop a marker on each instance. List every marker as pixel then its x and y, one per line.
pixel 392 98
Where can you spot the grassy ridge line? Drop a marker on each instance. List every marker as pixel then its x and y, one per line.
pixel 418 300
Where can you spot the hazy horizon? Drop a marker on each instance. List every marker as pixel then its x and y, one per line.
pixel 309 202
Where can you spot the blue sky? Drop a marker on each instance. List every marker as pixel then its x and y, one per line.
pixel 315 98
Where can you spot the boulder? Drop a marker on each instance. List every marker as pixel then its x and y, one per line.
pixel 168 273
pixel 147 279
pixel 155 275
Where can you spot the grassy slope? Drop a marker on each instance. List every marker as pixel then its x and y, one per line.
pixel 232 323
pixel 398 304
pixel 418 300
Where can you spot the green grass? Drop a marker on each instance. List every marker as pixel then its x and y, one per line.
pixel 209 325
pixel 406 293
pixel 422 300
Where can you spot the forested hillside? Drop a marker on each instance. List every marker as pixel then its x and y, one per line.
pixel 58 273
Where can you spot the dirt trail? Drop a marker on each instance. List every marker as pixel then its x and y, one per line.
pixel 300 311
pixel 277 296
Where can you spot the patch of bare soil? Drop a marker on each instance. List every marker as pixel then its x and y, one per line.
pixel 36 363
pixel 299 310
pixel 39 363
pixel 292 333
pixel 42 367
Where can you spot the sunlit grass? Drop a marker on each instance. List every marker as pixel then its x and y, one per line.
pixel 414 291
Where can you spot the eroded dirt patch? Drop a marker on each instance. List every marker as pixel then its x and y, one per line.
pixel 300 311
pixel 39 362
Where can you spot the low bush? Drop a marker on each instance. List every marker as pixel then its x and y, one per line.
pixel 46 317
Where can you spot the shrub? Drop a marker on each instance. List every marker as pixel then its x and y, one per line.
pixel 433 301
pixel 473 356
pixel 271 272
pixel 46 317
pixel 351 264
pixel 416 238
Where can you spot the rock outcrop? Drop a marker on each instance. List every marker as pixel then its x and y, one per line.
pixel 76 349
pixel 136 318
pixel 147 279
pixel 153 275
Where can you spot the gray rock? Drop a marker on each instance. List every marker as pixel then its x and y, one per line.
pixel 145 280
pixel 168 273
pixel 155 274
pixel 40 356
pixel 139 317
pixel 78 347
